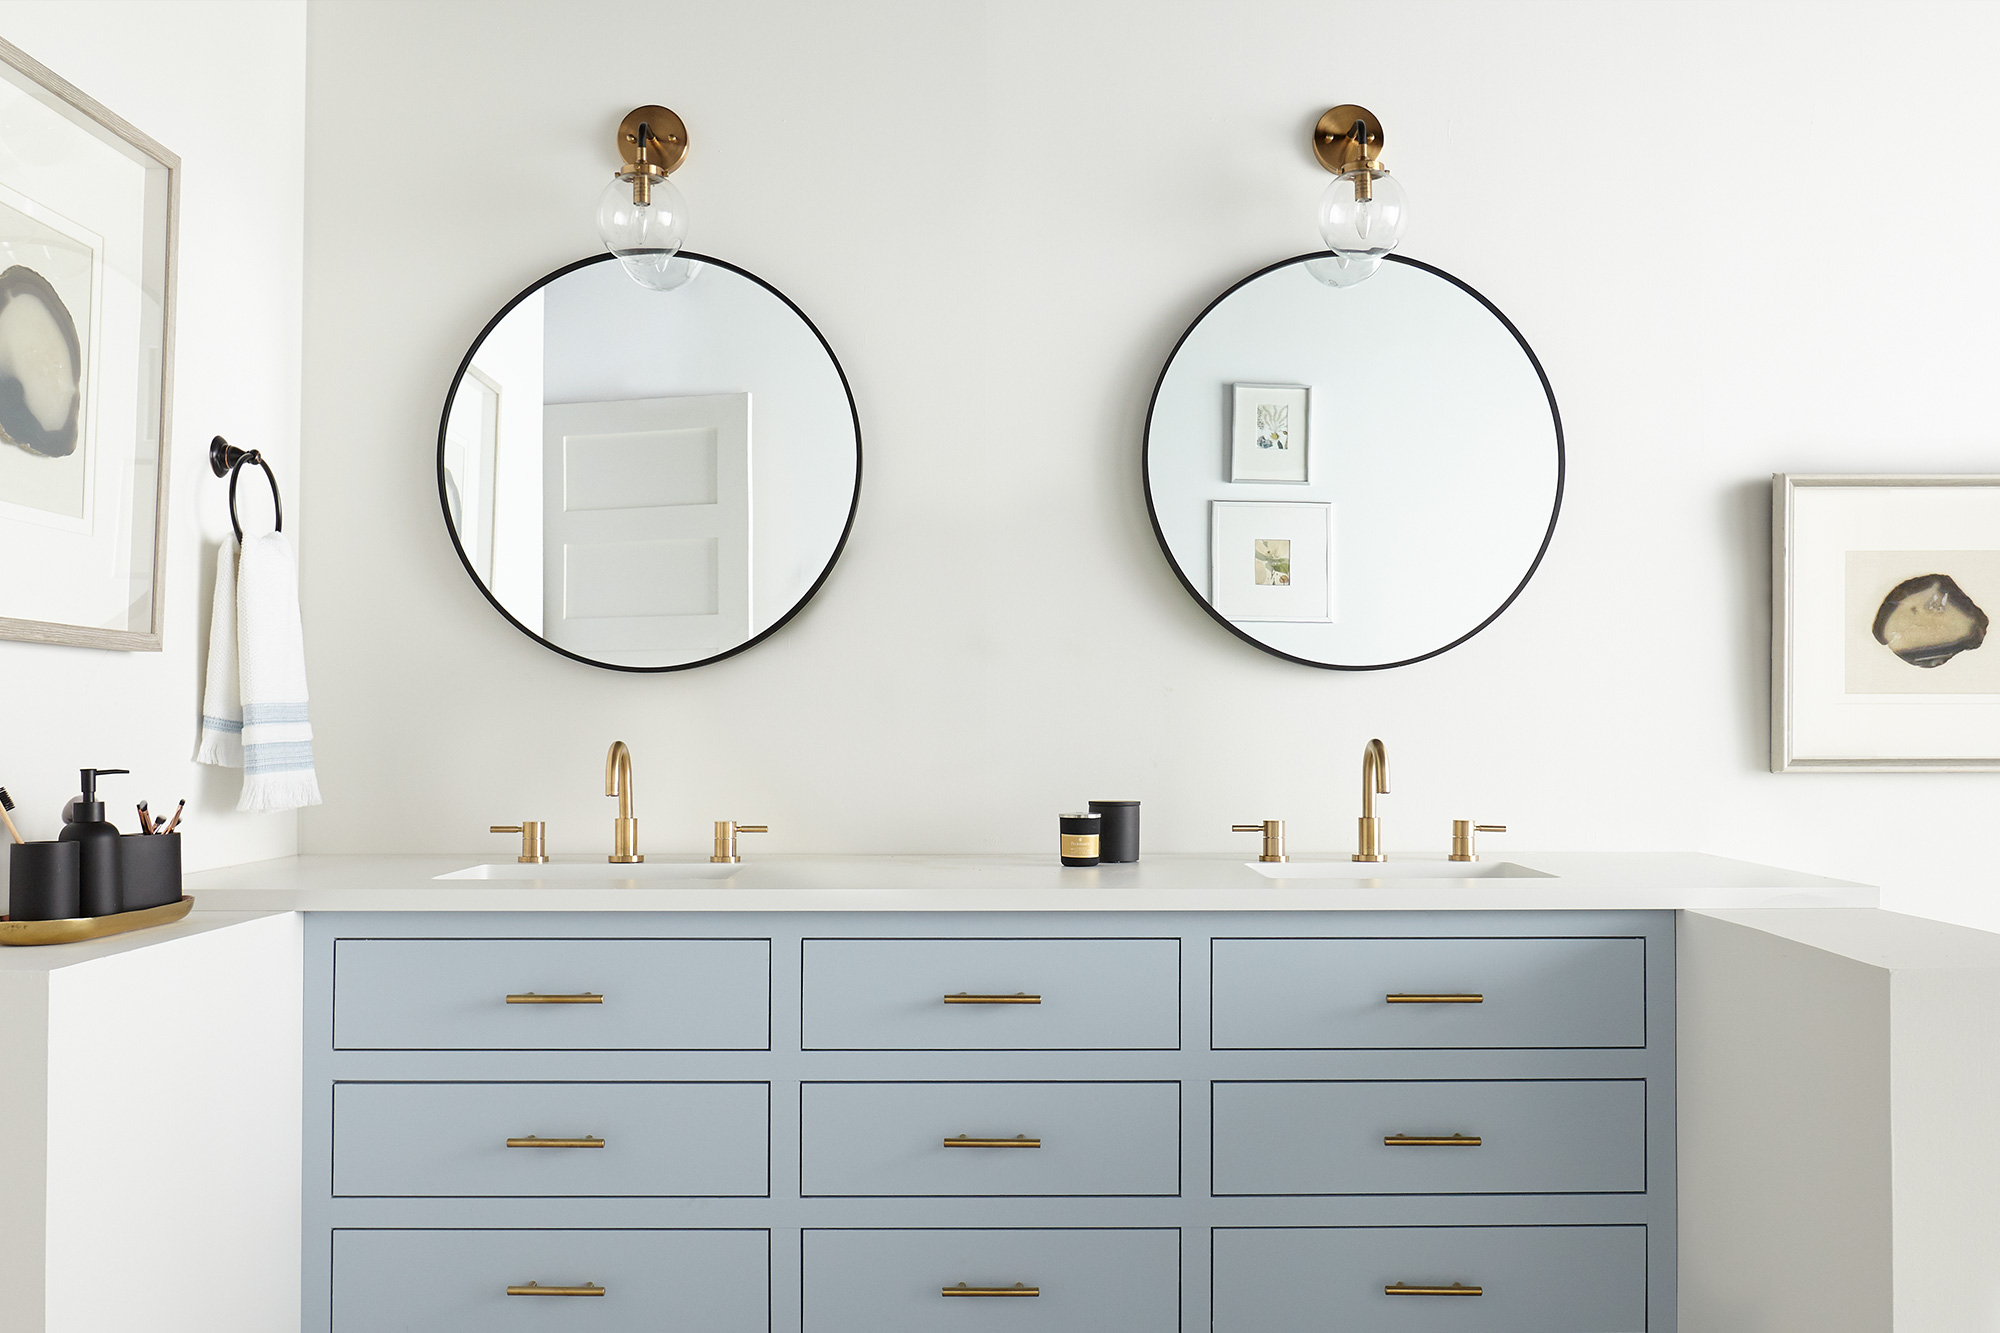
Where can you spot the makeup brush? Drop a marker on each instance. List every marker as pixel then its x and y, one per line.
pixel 7 804
pixel 179 810
pixel 145 819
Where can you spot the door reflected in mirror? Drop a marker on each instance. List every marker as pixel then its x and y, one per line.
pixel 649 480
pixel 1353 477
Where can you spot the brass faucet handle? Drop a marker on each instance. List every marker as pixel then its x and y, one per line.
pixel 1274 838
pixel 1462 847
pixel 534 839
pixel 725 839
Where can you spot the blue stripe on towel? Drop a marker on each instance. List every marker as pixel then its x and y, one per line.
pixel 277 757
pixel 255 715
pixel 220 723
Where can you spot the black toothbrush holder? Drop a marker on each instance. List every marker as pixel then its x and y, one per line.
pixel 151 863
pixel 42 880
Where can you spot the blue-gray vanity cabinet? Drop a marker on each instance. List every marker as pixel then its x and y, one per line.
pixel 1501 1136
pixel 1529 1279
pixel 894 1139
pixel 608 994
pixel 489 1139
pixel 1085 1280
pixel 1211 1091
pixel 1086 994
pixel 1433 993
pixel 400 1280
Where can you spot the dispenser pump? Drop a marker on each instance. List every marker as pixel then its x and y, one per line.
pixel 88 807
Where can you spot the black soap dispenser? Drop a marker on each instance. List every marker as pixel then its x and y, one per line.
pixel 99 883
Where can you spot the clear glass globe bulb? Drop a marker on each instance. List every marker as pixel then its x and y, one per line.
pixel 1363 214
pixel 646 237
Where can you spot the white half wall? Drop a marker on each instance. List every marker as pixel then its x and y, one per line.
pixel 1002 216
pixel 1837 1067
pixel 220 83
pixel 151 1102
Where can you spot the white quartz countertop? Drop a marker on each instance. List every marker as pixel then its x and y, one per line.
pixel 1172 883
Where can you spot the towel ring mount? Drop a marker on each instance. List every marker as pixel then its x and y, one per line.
pixel 226 460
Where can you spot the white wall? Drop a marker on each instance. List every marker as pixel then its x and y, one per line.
pixel 1002 216
pixel 220 84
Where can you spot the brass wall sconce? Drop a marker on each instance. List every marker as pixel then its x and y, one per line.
pixel 642 216
pixel 1364 213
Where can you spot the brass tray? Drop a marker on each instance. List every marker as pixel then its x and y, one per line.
pixel 72 929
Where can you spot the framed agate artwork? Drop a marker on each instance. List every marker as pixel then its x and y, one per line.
pixel 1883 658
pixel 88 208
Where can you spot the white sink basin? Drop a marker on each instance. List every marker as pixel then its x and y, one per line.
pixel 1358 871
pixel 598 871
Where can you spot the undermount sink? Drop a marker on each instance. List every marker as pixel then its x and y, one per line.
pixel 598 871
pixel 1357 871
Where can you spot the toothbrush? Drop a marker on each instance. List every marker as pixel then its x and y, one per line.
pixel 7 804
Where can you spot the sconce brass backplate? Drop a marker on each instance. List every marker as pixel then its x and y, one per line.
pixel 669 134
pixel 1336 151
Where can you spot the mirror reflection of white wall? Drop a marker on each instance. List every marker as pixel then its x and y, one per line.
pixel 509 362
pixel 471 445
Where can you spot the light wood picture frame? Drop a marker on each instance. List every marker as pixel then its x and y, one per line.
pixel 89 239
pixel 1852 690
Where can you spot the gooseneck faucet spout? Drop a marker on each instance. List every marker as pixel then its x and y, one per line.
pixel 618 782
pixel 1374 780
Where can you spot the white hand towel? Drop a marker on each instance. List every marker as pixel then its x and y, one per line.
pixel 253 709
pixel 271 665
pixel 221 705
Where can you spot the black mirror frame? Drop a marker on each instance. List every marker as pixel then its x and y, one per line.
pixel 444 501
pixel 1159 534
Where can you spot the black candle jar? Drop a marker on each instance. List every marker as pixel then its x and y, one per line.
pixel 1119 836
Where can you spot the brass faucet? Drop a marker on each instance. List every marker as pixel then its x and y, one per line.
pixel 618 782
pixel 1374 779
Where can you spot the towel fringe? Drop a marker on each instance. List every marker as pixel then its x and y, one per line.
pixel 269 793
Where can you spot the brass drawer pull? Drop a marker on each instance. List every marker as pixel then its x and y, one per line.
pixel 1435 999
pixel 1018 1141
pixel 1016 1290
pixel 1018 997
pixel 532 998
pixel 537 1289
pixel 589 1141
pixel 1430 1141
pixel 1455 1289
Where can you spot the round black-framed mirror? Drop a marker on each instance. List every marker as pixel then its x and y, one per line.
pixel 1353 478
pixel 646 480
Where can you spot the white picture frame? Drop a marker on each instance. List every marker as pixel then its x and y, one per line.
pixel 1846 552
pixel 1271 560
pixel 88 238
pixel 1270 434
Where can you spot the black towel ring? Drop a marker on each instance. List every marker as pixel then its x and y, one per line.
pixel 225 459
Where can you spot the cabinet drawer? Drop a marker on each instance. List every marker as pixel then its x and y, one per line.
pixel 889 1139
pixel 1087 1280
pixel 891 995
pixel 652 995
pixel 457 1281
pixel 1561 1279
pixel 1335 994
pixel 452 1139
pixel 1575 1136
